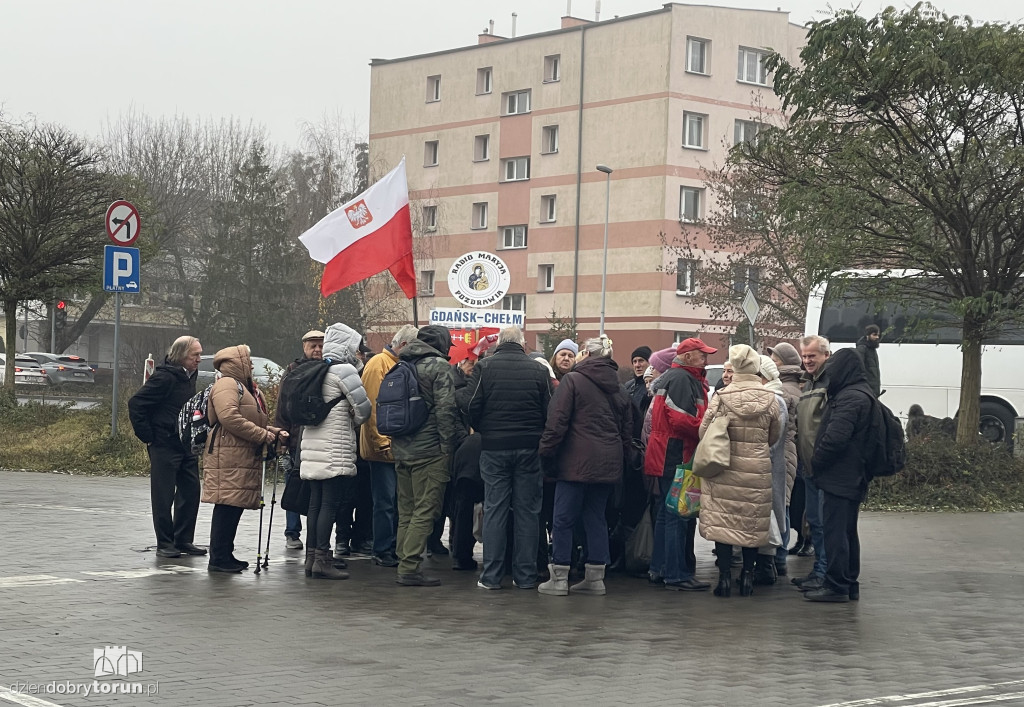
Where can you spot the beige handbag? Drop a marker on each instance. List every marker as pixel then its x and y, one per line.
pixel 713 451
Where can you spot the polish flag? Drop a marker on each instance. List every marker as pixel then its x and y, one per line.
pixel 370 234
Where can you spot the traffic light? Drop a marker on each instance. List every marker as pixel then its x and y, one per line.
pixel 61 315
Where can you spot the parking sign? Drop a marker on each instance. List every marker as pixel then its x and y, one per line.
pixel 121 269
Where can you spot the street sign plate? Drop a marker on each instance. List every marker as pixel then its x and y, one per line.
pixel 122 223
pixel 750 307
pixel 121 269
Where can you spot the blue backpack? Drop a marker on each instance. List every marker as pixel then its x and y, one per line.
pixel 400 408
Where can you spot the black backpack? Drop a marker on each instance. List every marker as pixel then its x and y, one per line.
pixel 890 451
pixel 194 426
pixel 300 399
pixel 400 408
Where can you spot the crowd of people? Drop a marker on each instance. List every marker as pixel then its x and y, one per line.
pixel 569 457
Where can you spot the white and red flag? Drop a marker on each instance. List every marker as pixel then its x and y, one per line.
pixel 370 234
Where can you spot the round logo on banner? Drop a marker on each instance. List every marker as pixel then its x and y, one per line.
pixel 479 279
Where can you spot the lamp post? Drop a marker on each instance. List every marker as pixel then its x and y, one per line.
pixel 604 267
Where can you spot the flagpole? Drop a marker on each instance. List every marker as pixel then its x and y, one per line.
pixel 415 313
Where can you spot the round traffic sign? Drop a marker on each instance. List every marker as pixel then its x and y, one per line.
pixel 122 223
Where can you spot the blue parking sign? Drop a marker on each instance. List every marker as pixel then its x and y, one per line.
pixel 121 269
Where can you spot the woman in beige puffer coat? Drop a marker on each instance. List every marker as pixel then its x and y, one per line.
pixel 736 505
pixel 232 467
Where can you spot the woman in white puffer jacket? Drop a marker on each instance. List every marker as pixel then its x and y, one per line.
pixel 328 451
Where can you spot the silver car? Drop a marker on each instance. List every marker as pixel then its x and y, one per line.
pixel 264 371
pixel 64 368
pixel 27 371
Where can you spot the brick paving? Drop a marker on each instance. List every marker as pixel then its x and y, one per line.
pixel 942 611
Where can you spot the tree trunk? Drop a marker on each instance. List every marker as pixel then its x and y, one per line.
pixel 11 341
pixel 969 415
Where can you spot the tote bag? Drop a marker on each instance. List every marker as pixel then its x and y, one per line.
pixel 713 451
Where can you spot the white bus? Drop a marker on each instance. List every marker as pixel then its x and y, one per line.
pixel 923 366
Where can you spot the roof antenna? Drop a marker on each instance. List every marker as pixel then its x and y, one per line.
pixel 514 16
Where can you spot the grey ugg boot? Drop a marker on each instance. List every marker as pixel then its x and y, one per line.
pixel 323 566
pixel 558 585
pixel 593 582
pixel 310 557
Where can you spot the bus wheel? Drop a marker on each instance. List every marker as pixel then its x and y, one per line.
pixel 996 423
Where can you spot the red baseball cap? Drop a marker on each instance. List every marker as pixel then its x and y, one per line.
pixel 693 345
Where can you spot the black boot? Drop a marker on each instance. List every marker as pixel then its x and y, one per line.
pixel 764 571
pixel 807 549
pixel 724 588
pixel 746 582
pixel 796 547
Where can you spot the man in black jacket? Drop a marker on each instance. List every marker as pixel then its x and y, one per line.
pixel 839 470
pixel 508 406
pixel 636 387
pixel 173 469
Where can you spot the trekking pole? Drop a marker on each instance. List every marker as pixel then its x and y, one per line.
pixel 259 536
pixel 270 525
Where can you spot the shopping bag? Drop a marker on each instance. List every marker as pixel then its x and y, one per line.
pixel 640 545
pixel 684 495
pixel 713 451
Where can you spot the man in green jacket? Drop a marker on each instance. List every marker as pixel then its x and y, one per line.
pixel 422 459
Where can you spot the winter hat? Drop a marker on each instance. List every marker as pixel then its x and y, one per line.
pixel 786 353
pixel 568 344
pixel 649 373
pixel 662 360
pixel 769 371
pixel 643 352
pixel 437 337
pixel 745 361
pixel 312 334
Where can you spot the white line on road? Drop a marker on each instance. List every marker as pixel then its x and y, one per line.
pixel 892 699
pixel 77 509
pixel 34 580
pixel 20 698
pixel 979 700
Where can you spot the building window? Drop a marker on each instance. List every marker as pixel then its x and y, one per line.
pixel 745 131
pixel 516 102
pixel 549 140
pixel 697 55
pixel 514 302
pixel 430 153
pixel 552 68
pixel 429 218
pixel 682 336
pixel 548 211
pixel 546 278
pixel 483 81
pixel 426 288
pixel 694 125
pixel 513 237
pixel 746 276
pixel 686 276
pixel 482 148
pixel 750 68
pixel 479 216
pixel 516 169
pixel 689 203
pixel 433 88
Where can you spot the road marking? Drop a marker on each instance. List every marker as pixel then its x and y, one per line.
pixel 893 699
pixel 144 572
pixel 979 700
pixel 20 698
pixel 34 580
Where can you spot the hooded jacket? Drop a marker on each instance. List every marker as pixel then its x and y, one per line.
pixel 438 435
pixel 589 424
pixel 838 463
pixel 509 399
pixel 329 449
pixel 868 353
pixel 789 376
pixel 231 470
pixel 736 505
pixel 154 408
pixel 680 399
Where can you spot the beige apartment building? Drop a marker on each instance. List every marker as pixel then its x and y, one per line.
pixel 502 140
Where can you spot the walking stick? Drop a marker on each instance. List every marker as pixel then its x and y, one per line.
pixel 259 536
pixel 273 502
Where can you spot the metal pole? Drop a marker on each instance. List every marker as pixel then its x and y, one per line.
pixel 53 323
pixel 26 325
pixel 117 348
pixel 415 312
pixel 604 267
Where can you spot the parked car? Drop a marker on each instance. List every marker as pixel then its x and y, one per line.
pixel 64 369
pixel 714 374
pixel 265 371
pixel 27 371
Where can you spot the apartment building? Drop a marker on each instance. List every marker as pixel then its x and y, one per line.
pixel 502 140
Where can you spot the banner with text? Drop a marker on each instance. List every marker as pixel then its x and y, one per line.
pixel 455 318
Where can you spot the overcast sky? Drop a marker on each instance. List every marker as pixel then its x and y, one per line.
pixel 80 62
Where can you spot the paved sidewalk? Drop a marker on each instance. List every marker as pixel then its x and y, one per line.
pixel 939 622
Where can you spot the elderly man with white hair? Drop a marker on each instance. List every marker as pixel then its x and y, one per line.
pixel 508 406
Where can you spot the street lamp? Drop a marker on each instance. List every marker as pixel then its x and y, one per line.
pixel 604 268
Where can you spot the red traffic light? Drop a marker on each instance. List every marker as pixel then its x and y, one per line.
pixel 62 305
